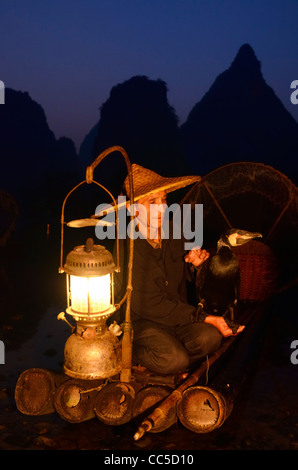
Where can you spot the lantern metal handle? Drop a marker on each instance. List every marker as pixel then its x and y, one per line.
pixel 61 269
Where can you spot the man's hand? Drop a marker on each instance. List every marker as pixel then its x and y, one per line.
pixel 196 256
pixel 220 324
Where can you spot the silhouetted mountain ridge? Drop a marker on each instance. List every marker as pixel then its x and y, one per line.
pixel 36 168
pixel 240 118
pixel 246 61
pixel 137 117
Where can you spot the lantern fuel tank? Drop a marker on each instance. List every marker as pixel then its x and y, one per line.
pixel 92 355
pixel 92 351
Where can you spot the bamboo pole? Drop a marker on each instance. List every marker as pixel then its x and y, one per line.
pixel 125 374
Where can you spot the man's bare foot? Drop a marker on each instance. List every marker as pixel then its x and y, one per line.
pixel 223 328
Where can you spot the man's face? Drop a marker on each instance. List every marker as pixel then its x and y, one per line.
pixel 151 210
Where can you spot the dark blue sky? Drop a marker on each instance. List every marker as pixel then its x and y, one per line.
pixel 68 54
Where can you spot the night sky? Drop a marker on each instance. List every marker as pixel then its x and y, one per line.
pixel 69 54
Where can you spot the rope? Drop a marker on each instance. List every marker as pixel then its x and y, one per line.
pixel 100 387
pixel 207 370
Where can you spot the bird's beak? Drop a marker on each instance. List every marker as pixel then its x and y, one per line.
pixel 245 237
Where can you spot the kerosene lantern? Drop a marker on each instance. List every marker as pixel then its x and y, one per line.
pixel 93 351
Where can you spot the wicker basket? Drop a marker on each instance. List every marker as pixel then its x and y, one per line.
pixel 259 271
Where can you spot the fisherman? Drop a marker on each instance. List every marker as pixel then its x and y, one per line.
pixel 167 338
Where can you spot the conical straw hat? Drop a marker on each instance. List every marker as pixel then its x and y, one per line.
pixel 146 182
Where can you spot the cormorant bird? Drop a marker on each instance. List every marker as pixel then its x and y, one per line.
pixel 218 279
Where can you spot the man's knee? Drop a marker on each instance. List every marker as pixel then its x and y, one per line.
pixel 171 364
pixel 210 341
pixel 162 361
pixel 204 339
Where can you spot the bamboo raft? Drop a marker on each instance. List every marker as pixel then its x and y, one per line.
pixel 154 403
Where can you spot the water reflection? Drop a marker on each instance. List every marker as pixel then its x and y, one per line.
pixel 44 349
pixel 31 296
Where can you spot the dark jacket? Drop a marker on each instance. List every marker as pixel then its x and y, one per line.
pixel 160 284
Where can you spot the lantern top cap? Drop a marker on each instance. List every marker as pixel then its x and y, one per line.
pixel 89 260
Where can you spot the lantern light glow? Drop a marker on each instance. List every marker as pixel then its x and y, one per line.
pixel 90 294
pixel 90 280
